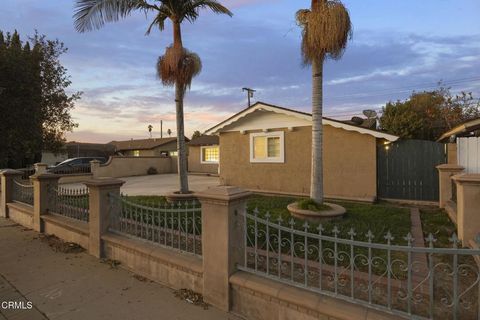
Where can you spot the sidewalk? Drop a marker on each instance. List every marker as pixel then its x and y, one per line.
pixel 78 286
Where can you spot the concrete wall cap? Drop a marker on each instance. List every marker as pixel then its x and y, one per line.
pixel 467 178
pixel 104 182
pixel 45 176
pixel 450 167
pixel 11 172
pixel 223 193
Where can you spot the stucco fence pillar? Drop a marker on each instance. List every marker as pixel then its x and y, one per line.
pixel 100 210
pixel 94 168
pixel 445 174
pixel 468 206
pixel 42 183
pixel 222 240
pixel 40 168
pixel 6 180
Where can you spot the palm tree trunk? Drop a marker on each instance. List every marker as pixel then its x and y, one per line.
pixel 179 95
pixel 316 185
pixel 182 152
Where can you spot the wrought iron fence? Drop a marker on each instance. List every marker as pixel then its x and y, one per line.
pixel 412 282
pixel 172 225
pixel 27 172
pixel 66 170
pixel 71 203
pixel 22 192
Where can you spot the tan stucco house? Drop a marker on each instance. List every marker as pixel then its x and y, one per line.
pixel 203 155
pixel 153 147
pixel 268 148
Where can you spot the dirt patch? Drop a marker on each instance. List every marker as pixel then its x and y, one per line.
pixel 140 278
pixel 112 263
pixel 58 245
pixel 191 297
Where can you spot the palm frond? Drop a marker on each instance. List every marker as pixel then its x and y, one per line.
pixel 178 66
pixel 326 30
pixel 191 8
pixel 159 21
pixel 93 14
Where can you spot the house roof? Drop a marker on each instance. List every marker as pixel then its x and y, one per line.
pixel 302 115
pixel 74 146
pixel 462 130
pixel 142 144
pixel 204 141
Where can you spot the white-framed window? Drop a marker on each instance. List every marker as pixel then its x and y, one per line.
pixel 173 153
pixel 136 153
pixel 267 147
pixel 209 154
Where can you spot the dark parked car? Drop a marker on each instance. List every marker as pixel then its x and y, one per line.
pixel 75 165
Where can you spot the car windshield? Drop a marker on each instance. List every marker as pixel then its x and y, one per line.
pixel 65 162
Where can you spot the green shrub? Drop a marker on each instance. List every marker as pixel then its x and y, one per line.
pixel 309 204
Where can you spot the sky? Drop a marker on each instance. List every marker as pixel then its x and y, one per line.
pixel 397 47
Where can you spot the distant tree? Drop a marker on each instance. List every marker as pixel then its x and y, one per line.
pixel 56 103
pixel 34 106
pixel 427 115
pixel 196 134
pixel 150 128
pixel 326 28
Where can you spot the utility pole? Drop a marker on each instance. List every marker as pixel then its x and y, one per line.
pixel 249 94
pixel 161 129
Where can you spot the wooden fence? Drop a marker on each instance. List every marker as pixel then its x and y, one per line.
pixel 468 153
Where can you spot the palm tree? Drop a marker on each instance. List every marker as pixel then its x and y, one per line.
pixel 177 66
pixel 326 31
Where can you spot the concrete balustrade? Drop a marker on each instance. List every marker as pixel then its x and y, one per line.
pixel 222 241
pixel 445 173
pixel 41 185
pixel 40 168
pixel 468 206
pixel 6 182
pixel 99 211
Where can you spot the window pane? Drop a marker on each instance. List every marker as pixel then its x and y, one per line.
pixel 259 147
pixel 210 154
pixel 274 147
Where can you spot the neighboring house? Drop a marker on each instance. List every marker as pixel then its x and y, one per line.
pixel 268 148
pixel 75 149
pixel 83 149
pixel 153 147
pixel 464 145
pixel 203 155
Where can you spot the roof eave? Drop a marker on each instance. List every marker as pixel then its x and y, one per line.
pixel 306 116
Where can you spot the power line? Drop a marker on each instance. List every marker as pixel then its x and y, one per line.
pixel 384 92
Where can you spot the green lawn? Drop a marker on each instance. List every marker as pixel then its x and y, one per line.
pixel 379 218
pixel 437 222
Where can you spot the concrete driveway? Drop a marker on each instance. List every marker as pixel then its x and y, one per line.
pixel 162 184
pixel 159 184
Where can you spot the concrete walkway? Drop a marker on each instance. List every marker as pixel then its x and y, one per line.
pixel 78 286
pixel 159 184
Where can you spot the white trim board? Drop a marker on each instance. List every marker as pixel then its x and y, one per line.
pixel 245 120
